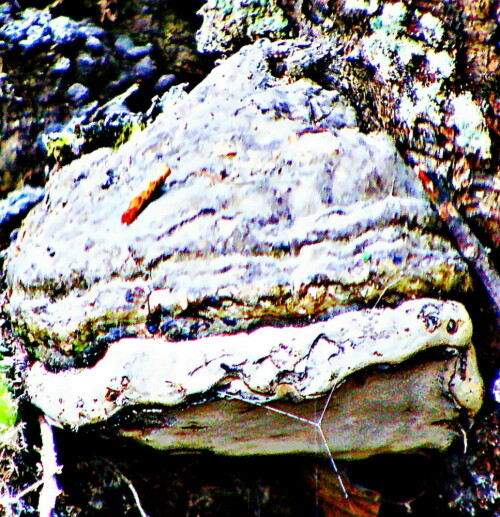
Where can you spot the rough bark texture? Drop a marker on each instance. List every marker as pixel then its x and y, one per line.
pixel 60 61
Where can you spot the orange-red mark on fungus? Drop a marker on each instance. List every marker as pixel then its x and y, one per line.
pixel 139 203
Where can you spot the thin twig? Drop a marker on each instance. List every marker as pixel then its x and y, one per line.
pixel 130 485
pixel 50 488
pixel 332 461
pixel 134 493
pixel 316 424
pixel 469 246
pixel 48 483
pixel 325 407
pixel 273 409
pixel 386 288
pixel 17 497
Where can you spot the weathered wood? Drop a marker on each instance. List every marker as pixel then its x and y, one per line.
pixel 404 408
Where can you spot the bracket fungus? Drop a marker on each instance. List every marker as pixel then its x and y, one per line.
pixel 269 365
pixel 252 273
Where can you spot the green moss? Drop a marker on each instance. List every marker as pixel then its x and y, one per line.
pixel 262 24
pixel 260 17
pixel 126 132
pixel 61 146
pixel 224 6
pixel 8 406
pixel 62 350
pixel 113 131
pixel 31 338
pixel 92 329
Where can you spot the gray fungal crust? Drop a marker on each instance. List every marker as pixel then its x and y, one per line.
pixel 278 211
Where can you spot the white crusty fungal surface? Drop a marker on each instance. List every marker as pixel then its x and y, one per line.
pixel 265 365
pixel 278 208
